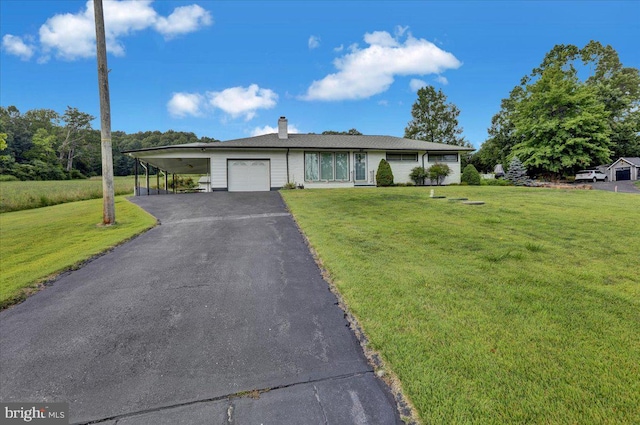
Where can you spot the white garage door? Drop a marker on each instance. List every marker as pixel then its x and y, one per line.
pixel 248 175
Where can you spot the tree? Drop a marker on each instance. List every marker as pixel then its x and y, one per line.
pixel 561 125
pixel 384 175
pixel 614 86
pixel 76 125
pixel 435 120
pixel 470 175
pixel 438 172
pixel 351 132
pixel 517 173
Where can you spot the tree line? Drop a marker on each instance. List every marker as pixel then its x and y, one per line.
pixel 580 108
pixel 42 144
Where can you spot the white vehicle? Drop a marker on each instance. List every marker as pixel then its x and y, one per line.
pixel 592 175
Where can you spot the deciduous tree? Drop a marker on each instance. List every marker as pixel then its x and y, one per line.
pixel 561 125
pixel 434 119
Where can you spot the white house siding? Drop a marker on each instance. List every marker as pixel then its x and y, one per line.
pixel 219 159
pixel 402 169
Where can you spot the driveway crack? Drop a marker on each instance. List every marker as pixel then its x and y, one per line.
pixel 324 415
pixel 230 410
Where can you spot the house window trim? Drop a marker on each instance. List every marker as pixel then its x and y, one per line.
pixel 440 159
pixel 413 156
pixel 333 163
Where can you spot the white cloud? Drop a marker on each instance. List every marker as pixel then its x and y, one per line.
pixel 370 71
pixel 267 129
pixel 383 102
pixel 14 45
pixel 442 80
pixel 71 36
pixel 241 101
pixel 339 48
pixel 183 20
pixel 183 104
pixel 314 42
pixel 416 84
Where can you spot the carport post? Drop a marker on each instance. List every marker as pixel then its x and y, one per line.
pixel 158 180
pixel 173 182
pixel 146 172
pixel 166 182
pixel 135 179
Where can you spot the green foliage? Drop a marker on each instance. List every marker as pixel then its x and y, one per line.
pixel 435 120
pixel 384 175
pixel 43 135
pixel 495 182
pixel 561 123
pixel 418 175
pixel 8 178
pixel 470 175
pixel 516 173
pixel 289 185
pixel 350 132
pixel 438 172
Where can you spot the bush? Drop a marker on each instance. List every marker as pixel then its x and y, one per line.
pixel 470 175
pixel 8 178
pixel 418 174
pixel 289 185
pixel 495 182
pixel 437 172
pixel 384 175
pixel 76 175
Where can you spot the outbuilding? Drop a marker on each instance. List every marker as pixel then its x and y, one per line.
pixel 270 161
pixel 625 168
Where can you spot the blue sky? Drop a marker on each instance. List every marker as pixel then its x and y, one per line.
pixel 229 69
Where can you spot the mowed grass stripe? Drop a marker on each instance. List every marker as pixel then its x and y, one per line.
pixel 41 242
pixel 522 310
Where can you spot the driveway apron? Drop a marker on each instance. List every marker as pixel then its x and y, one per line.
pixel 218 315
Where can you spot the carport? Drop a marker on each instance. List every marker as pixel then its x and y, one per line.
pixel 167 165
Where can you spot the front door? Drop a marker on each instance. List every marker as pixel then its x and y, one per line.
pixel 361 166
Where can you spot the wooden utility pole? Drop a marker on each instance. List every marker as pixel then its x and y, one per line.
pixel 108 203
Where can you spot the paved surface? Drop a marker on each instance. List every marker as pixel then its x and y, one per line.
pixel 178 324
pixel 625 186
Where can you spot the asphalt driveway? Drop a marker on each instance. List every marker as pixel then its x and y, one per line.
pixel 623 186
pixel 185 322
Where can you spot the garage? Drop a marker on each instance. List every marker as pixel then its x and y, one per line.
pixel 248 175
pixel 623 173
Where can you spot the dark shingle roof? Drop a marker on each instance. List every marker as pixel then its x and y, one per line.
pixel 318 141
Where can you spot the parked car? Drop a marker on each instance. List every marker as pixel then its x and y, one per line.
pixel 592 175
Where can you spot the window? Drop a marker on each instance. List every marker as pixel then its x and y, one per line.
pixel 443 157
pixel 326 166
pixel 402 157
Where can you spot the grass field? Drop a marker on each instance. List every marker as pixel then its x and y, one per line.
pixel 22 195
pixel 41 242
pixel 522 310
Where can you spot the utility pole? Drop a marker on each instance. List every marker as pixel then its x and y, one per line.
pixel 108 202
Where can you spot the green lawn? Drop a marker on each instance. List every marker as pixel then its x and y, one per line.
pixel 38 243
pixel 22 195
pixel 522 310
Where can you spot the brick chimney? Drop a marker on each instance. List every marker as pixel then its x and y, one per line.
pixel 283 132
